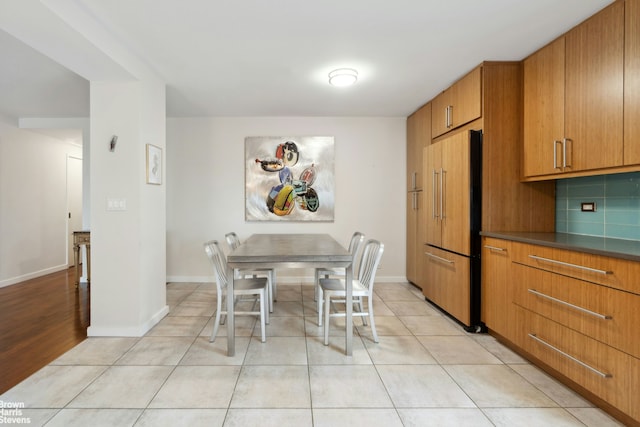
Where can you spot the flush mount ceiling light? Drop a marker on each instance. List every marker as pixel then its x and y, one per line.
pixel 343 77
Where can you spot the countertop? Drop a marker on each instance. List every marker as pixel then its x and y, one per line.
pixel 615 248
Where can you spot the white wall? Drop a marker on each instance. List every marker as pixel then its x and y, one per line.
pixel 205 187
pixel 128 274
pixel 33 203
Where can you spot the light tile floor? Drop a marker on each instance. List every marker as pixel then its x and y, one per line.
pixel 426 371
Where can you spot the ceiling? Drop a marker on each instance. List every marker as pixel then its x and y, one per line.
pixel 263 58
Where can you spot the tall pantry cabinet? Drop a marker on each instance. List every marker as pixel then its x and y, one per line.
pixel 418 137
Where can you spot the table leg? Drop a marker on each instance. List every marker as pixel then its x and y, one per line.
pixel 76 262
pixel 88 248
pixel 349 311
pixel 231 329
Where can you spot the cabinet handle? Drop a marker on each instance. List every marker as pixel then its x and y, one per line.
pixel 442 199
pixel 446 117
pixel 568 356
pixel 566 264
pixel 564 153
pixel 495 248
pixel 439 258
pixel 575 307
pixel 434 187
pixel 413 180
pixel 555 153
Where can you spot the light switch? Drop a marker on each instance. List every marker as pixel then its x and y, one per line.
pixel 115 204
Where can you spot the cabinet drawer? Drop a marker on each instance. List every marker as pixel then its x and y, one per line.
pixel 448 282
pixel 612 272
pixel 600 312
pixel 610 374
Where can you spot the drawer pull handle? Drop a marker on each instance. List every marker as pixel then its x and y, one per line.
pixel 575 307
pixel 495 248
pixel 439 258
pixel 566 264
pixel 579 362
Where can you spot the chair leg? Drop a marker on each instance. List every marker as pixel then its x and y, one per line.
pixel 262 315
pixel 216 322
pixel 319 305
pixel 327 319
pixel 373 324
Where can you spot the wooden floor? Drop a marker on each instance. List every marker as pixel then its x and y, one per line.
pixel 40 319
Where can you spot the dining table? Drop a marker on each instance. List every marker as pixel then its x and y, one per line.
pixel 290 250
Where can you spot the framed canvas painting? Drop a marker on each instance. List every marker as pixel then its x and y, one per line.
pixel 289 178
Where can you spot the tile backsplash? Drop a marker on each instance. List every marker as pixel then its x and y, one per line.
pixel 617 200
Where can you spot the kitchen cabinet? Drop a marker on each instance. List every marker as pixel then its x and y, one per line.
pixel 447 285
pixel 632 83
pixel 459 104
pixel 575 313
pixel 573 99
pixel 418 137
pixel 497 308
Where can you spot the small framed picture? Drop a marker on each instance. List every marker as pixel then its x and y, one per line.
pixel 154 164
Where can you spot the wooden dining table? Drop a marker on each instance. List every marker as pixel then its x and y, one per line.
pixel 290 251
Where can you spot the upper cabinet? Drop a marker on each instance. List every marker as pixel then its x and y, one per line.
pixel 459 104
pixel 418 137
pixel 574 98
pixel 632 83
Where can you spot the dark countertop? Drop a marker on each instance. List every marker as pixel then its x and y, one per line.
pixel 615 248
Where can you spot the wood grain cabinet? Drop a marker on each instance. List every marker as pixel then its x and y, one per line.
pixel 576 313
pixel 447 283
pixel 574 99
pixel 632 83
pixel 418 137
pixel 459 104
pixel 447 201
pixel 497 308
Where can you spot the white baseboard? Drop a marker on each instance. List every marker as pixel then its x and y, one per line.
pixel 32 275
pixel 134 331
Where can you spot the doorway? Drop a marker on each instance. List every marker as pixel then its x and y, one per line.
pixel 74 203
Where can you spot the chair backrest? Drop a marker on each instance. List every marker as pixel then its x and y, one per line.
pixel 219 261
pixel 354 246
pixel 232 240
pixel 371 255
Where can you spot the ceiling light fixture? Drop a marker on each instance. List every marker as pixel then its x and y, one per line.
pixel 343 77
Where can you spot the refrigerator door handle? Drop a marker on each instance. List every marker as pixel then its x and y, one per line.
pixel 442 198
pixel 434 187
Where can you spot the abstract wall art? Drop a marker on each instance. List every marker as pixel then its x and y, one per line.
pixel 289 178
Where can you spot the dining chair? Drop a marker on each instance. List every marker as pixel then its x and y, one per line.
pixel 354 245
pixel 233 241
pixel 334 290
pixel 255 286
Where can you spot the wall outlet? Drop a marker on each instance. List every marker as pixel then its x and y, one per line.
pixel 588 206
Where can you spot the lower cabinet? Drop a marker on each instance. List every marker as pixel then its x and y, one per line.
pixel 574 312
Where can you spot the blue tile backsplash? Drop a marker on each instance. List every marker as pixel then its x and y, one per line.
pixel 617 199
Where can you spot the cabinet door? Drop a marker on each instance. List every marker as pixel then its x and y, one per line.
pixel 432 193
pixel 440 119
pixel 632 83
pixel 594 78
pixel 466 99
pixel 455 217
pixel 412 237
pixel 449 282
pixel 418 136
pixel 497 304
pixel 544 109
